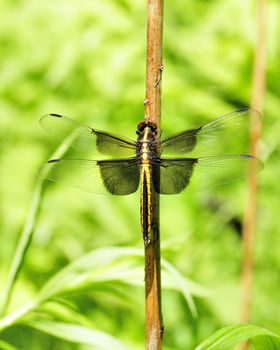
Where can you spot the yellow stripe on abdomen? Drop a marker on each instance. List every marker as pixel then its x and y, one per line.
pixel 146 202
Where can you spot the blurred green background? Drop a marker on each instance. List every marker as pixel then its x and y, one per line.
pixel 86 59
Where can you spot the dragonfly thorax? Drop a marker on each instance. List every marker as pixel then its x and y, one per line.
pixel 146 149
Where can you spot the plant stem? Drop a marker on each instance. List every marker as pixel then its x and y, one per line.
pixel 154 325
pixel 249 227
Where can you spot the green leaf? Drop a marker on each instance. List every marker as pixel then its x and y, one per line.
pixel 228 337
pixel 266 342
pixel 182 284
pixel 113 264
pixel 104 265
pixel 79 334
pixel 6 346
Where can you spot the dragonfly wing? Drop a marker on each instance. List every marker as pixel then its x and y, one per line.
pixel 172 176
pixel 195 174
pixel 86 138
pixel 225 135
pixel 118 177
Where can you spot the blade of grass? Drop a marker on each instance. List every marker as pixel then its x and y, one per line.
pixel 104 265
pixel 6 346
pixel 226 338
pixel 78 334
pixel 112 264
pixel 182 283
pixel 27 233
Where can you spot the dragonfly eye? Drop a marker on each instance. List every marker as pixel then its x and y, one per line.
pixel 142 125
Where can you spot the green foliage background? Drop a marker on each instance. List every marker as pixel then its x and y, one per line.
pixel 86 59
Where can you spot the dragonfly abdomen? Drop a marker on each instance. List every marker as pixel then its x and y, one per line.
pixel 146 156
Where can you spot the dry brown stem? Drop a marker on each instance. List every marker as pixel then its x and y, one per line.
pixel 249 227
pixel 152 103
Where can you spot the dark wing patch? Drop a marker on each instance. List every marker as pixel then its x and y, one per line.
pixel 225 135
pixel 86 138
pixel 118 177
pixel 182 142
pixel 174 176
pixel 195 174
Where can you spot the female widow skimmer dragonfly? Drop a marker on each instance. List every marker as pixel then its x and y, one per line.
pixel 198 158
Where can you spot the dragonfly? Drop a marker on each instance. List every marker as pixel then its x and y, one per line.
pixel 193 159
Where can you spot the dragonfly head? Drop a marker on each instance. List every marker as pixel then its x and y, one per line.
pixel 143 124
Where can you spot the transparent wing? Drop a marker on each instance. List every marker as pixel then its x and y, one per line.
pixel 195 174
pixel 118 177
pixel 86 138
pixel 225 135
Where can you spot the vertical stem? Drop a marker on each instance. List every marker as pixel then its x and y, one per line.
pixel 154 61
pixel 154 326
pixel 249 227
